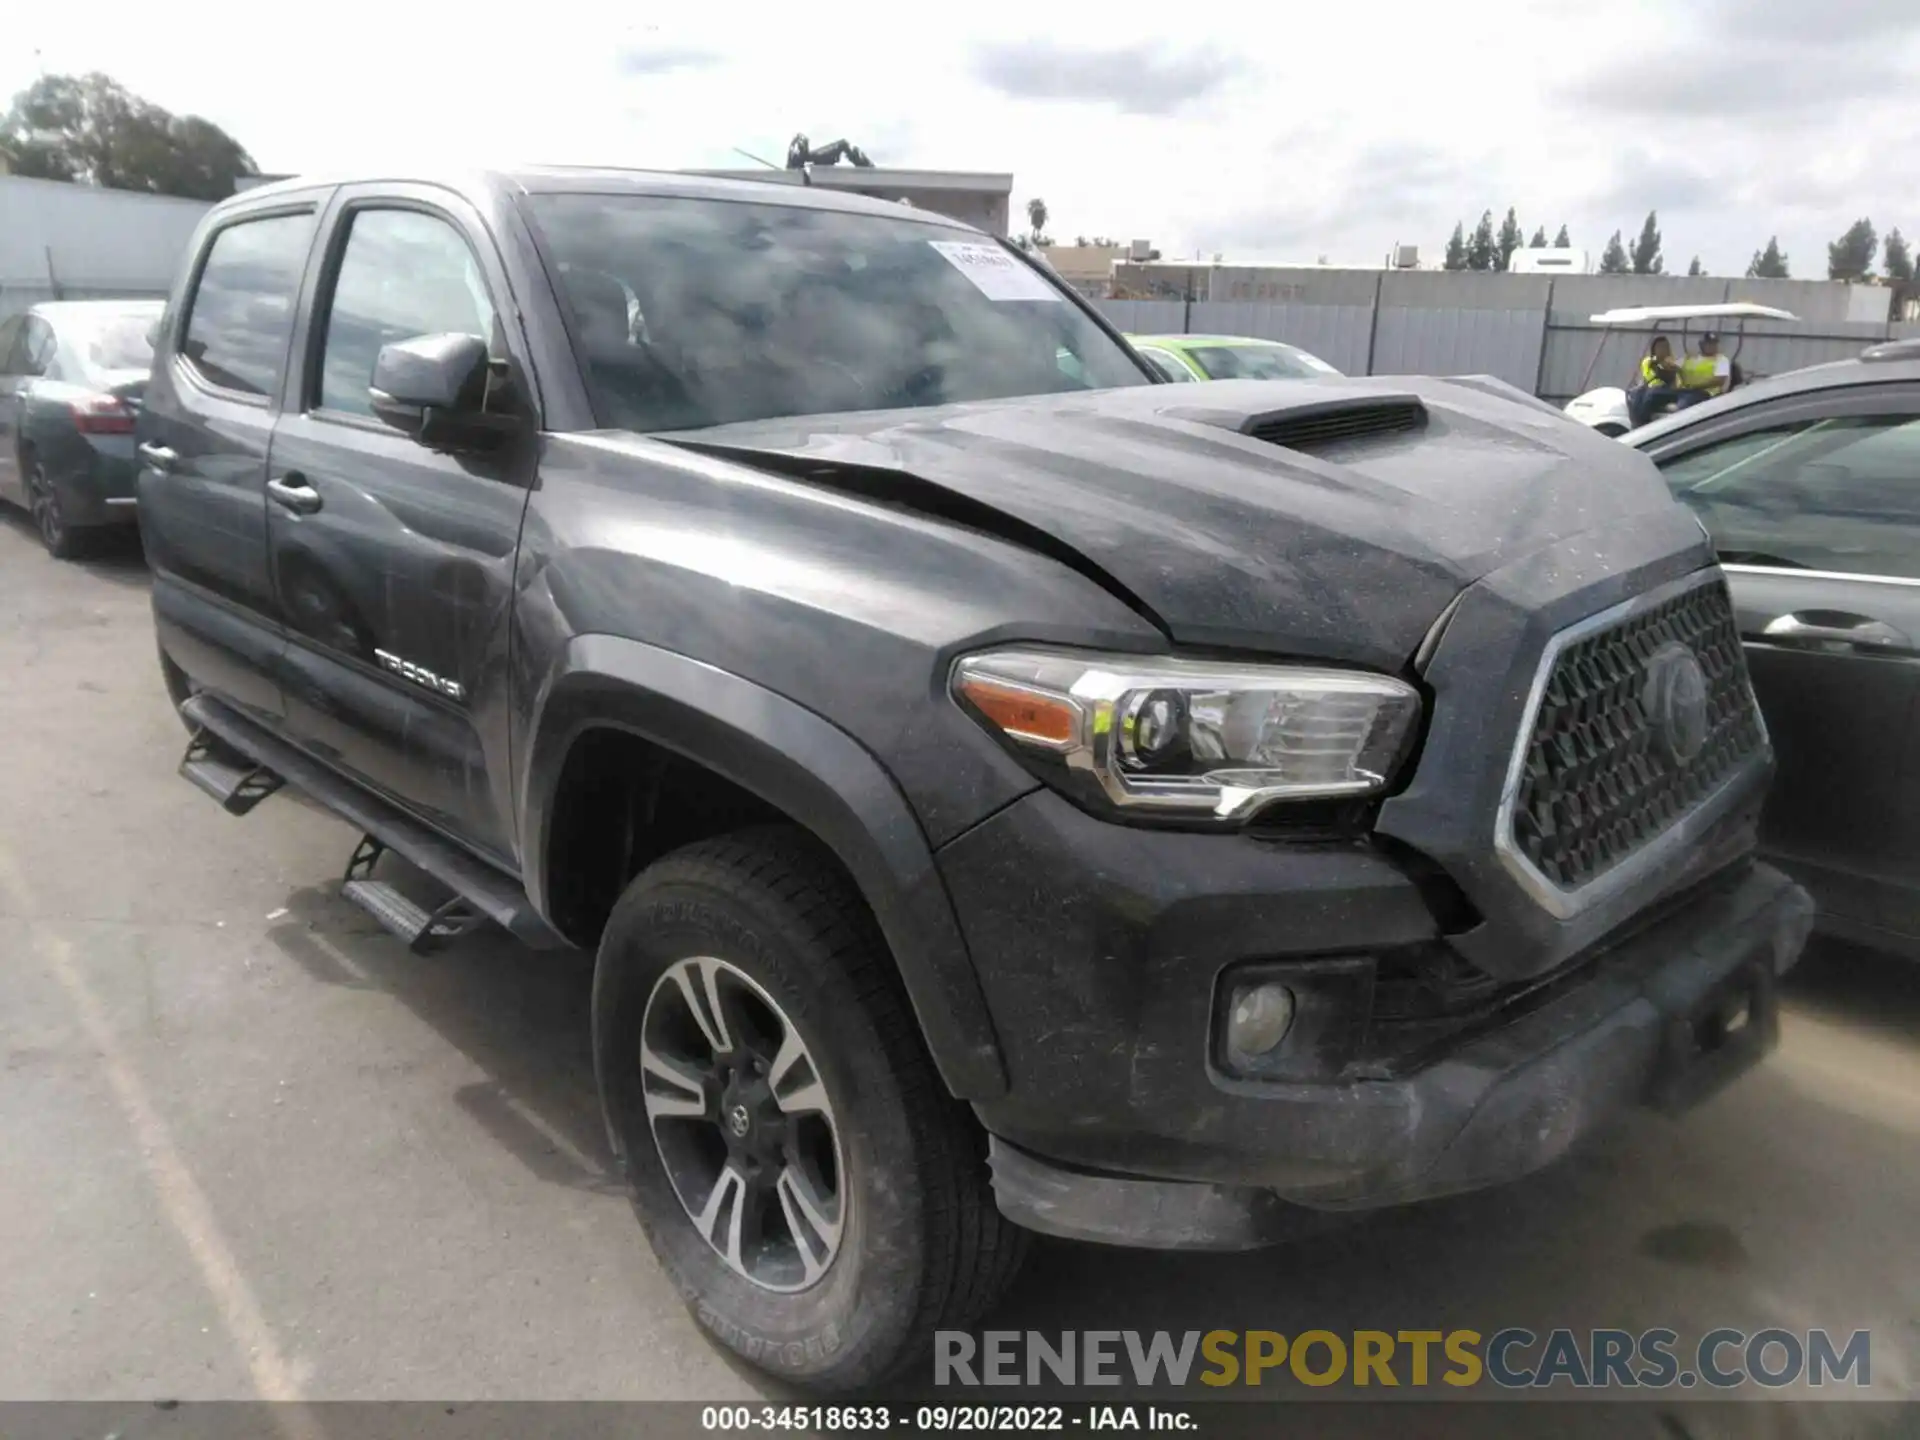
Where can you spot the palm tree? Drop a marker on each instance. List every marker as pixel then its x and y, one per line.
pixel 1037 220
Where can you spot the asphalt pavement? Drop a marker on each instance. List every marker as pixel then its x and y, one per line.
pixel 249 1146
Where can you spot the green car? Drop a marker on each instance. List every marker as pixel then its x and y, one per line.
pixel 1227 357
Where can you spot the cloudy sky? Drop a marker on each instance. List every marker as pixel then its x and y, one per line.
pixel 1264 131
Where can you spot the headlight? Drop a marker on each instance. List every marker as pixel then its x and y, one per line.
pixel 1192 738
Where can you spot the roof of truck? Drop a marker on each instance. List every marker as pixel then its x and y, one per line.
pixel 598 180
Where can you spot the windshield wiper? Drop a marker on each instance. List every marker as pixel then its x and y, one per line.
pixel 1761 557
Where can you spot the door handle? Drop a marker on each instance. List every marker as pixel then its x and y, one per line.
pixel 1828 627
pixel 292 492
pixel 160 457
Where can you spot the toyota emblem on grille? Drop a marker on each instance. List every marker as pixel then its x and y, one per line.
pixel 1676 701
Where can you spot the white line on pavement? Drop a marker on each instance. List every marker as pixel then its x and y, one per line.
pixel 181 1198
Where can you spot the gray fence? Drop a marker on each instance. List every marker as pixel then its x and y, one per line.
pixel 14 297
pixel 1532 332
pixel 75 242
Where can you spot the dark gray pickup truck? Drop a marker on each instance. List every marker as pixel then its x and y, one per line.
pixel 1005 793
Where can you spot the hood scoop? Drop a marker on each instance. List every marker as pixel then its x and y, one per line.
pixel 1329 423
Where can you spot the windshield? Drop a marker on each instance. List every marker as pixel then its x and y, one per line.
pixel 107 343
pixel 1259 362
pixel 691 313
pixel 1169 368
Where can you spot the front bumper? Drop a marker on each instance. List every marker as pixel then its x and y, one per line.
pixel 1101 951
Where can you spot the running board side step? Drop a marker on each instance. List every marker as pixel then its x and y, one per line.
pixel 237 784
pixel 421 928
pixel 487 891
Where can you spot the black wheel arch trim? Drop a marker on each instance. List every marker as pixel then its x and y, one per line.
pixel 807 767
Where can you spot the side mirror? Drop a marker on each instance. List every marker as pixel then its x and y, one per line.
pixel 434 388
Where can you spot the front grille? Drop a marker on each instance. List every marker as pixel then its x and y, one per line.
pixel 1601 774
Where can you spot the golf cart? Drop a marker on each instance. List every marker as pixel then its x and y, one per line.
pixel 1605 409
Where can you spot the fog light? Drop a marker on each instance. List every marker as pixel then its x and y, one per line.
pixel 1262 1015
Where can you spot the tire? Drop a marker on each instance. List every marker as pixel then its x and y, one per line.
pixel 920 1244
pixel 62 541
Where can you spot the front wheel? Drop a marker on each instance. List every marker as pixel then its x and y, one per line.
pixel 819 1200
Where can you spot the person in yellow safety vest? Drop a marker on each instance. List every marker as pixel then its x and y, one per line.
pixel 1659 383
pixel 1657 369
pixel 1709 371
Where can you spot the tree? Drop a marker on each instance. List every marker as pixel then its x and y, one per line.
pixel 1694 267
pixel 1037 220
pixel 1509 240
pixel 1539 240
pixel 1851 256
pixel 92 130
pixel 1456 257
pixel 1481 249
pixel 1899 259
pixel 1646 250
pixel 1563 241
pixel 1769 264
pixel 1613 259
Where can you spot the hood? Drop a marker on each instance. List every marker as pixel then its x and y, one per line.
pixel 1346 550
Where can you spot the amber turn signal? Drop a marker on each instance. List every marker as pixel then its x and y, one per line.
pixel 1022 714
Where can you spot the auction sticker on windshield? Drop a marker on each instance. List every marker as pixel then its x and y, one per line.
pixel 994 273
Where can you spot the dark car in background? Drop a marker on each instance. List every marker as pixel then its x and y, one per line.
pixel 1809 484
pixel 72 374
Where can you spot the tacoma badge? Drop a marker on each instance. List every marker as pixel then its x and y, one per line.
pixel 420 675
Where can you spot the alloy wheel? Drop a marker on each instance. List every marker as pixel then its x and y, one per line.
pixel 45 503
pixel 743 1124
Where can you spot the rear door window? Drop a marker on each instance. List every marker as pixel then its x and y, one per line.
pixel 241 313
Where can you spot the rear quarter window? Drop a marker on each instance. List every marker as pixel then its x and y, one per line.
pixel 240 316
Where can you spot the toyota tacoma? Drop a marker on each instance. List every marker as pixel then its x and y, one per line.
pixel 1003 792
